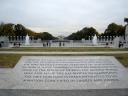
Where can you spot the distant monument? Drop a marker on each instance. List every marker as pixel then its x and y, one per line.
pixel 61 37
pixel 27 40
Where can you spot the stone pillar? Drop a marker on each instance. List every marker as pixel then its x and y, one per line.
pixel 10 38
pixel 20 38
pixel 126 36
pixel 100 38
pixel 23 38
pixel 89 39
pixel 97 38
pixel 116 42
pixel 14 38
pixel 17 38
pixel 107 38
pixel 110 37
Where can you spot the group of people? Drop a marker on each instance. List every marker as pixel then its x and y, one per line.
pixel 16 44
pixel 121 44
pixel 46 44
pixel 1 44
pixel 61 44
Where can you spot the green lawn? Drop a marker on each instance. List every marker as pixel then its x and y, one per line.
pixel 85 49
pixel 10 60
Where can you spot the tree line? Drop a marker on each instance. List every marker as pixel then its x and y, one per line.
pixel 113 29
pixel 11 29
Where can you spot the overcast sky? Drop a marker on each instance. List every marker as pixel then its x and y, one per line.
pixel 63 17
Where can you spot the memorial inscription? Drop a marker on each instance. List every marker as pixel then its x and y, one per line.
pixel 81 70
pixel 70 72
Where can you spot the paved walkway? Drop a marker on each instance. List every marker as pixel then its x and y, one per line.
pixel 91 92
pixel 6 73
pixel 99 52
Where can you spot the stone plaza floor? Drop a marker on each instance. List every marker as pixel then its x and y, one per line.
pixel 11 80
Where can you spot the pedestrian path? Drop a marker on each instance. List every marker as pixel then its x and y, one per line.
pixel 99 52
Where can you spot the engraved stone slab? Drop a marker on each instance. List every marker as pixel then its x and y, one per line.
pixel 67 73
